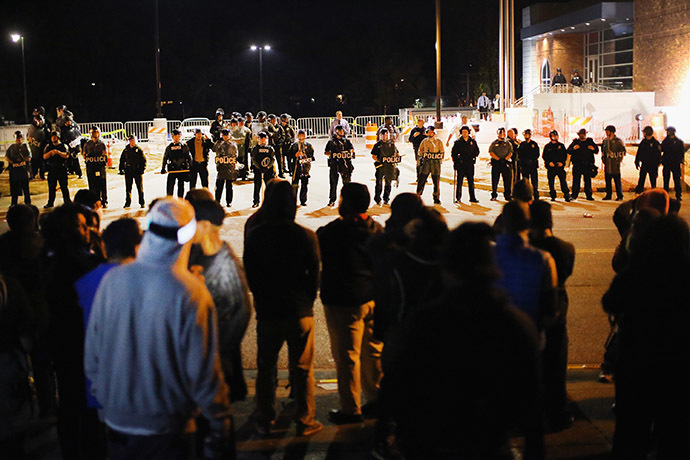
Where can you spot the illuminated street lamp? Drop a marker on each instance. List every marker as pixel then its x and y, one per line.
pixel 261 71
pixel 16 38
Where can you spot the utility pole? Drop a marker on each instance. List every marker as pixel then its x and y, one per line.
pixel 439 123
pixel 159 112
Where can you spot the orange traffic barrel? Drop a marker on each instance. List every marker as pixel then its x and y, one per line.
pixel 370 131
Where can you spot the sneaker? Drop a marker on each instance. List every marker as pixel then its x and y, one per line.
pixel 308 430
pixel 255 205
pixel 340 418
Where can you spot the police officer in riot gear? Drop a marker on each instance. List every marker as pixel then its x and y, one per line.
pixel 55 156
pixel 649 158
pixel 275 139
pixel 243 146
pixel 199 146
pixel 501 151
pixel 672 158
pixel 96 159
pixel 287 135
pixel 431 153
pixel 217 125
pixel 226 166
pixel 464 153
pixel 555 156
pixel 133 166
pixel 302 154
pixel 18 160
pixel 177 162
pixel 528 151
pixel 340 153
pixel 582 151
pixel 262 165
pixel 386 158
pixel 70 135
pixel 38 136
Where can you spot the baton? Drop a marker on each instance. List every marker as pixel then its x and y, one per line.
pixel 173 172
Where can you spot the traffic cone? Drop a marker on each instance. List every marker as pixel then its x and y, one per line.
pixel 110 158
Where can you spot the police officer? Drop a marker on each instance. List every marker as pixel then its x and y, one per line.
pixel 243 146
pixel 528 151
pixel 260 125
pixel 96 159
pixel 582 151
pixel 555 156
pixel 199 146
pixel 302 154
pixel 392 130
pixel 177 161
pixel 18 160
pixel 515 159
pixel 133 165
pixel 464 153
pixel 612 152
pixel 226 166
pixel 673 157
pixel 649 156
pixel 217 125
pixel 288 138
pixel 417 135
pixel 70 135
pixel 262 164
pixel 38 137
pixel 501 151
pixel 340 153
pixel 55 156
pixel 431 154
pixel 386 158
pixel 275 140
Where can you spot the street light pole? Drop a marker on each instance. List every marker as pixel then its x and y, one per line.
pixel 20 38
pixel 261 49
pixel 439 123
pixel 159 111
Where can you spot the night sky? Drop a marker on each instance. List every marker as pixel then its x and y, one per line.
pixel 360 49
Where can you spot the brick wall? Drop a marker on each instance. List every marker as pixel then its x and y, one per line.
pixel 566 51
pixel 662 49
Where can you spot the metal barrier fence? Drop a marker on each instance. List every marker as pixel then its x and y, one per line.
pixel 320 126
pixel 360 124
pixel 114 129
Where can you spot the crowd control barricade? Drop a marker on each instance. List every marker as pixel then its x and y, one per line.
pixel 360 124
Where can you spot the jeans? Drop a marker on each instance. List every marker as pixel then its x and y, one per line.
pixel 270 336
pixel 170 446
pixel 200 168
pixel 357 354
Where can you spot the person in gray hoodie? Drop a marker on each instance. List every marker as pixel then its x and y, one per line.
pixel 152 347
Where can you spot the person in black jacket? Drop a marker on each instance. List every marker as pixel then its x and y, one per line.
pixel 582 151
pixel 176 161
pixel 217 125
pixel 199 146
pixel 56 156
pixel 280 251
pixel 347 292
pixel 262 165
pixel 386 158
pixel 18 160
pixel 555 354
pixel 275 139
pixel 96 159
pixel 649 156
pixel 287 137
pixel 652 313
pixel 555 156
pixel 340 153
pixel 302 155
pixel 673 157
pixel 528 151
pixel 417 135
pixel 133 165
pixel 464 153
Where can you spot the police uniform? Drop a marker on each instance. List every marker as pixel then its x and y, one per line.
pixel 226 167
pixel 340 153
pixel 18 162
pixel 582 157
pixel 386 159
pixel 216 127
pixel 501 168
pixel 648 159
pixel 56 167
pixel 555 152
pixel 515 160
pixel 262 164
pixel 275 139
pixel 37 136
pixel 673 157
pixel 288 138
pixel 391 129
pixel 302 154
pixel 199 166
pixel 70 135
pixel 529 163
pixel 96 159
pixel 464 154
pixel 177 161
pixel 613 151
pixel 133 165
pixel 242 137
pixel 431 153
